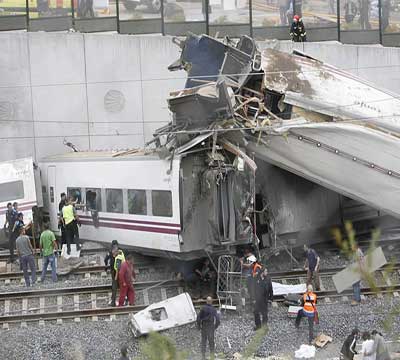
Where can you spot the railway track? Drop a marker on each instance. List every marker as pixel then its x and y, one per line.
pixel 92 301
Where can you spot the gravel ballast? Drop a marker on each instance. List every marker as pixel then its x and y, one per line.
pixel 102 340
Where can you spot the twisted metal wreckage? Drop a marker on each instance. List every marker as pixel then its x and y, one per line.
pixel 284 111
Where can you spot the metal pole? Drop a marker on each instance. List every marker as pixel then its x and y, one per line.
pixel 380 20
pixel 251 17
pixel 73 13
pixel 117 14
pixel 206 4
pixel 162 18
pixel 27 13
pixel 338 18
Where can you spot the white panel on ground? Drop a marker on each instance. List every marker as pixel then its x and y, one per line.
pixel 351 274
pixel 166 314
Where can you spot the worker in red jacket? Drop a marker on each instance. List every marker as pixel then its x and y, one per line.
pixel 126 276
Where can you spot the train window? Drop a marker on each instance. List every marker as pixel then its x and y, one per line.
pixel 162 203
pixel 137 202
pixel 93 199
pixel 114 200
pixel 76 194
pixel 13 190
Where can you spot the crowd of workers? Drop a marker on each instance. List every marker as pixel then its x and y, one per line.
pixel 202 279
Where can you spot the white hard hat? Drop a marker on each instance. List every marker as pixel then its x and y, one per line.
pixel 252 259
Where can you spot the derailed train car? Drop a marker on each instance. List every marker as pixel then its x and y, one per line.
pixel 181 207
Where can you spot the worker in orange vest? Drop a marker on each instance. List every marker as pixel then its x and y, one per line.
pixel 309 311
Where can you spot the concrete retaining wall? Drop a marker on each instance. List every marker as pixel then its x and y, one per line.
pixel 109 91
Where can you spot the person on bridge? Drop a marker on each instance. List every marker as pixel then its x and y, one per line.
pixel 263 294
pixel 298 30
pixel 48 246
pixel 208 321
pixel 126 275
pixel 26 256
pixel 312 267
pixel 309 311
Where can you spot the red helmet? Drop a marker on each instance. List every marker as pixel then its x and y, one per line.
pixel 296 17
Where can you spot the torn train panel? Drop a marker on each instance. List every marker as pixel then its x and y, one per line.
pixel 356 161
pixel 207 59
pixel 163 315
pixel 199 107
pixel 322 88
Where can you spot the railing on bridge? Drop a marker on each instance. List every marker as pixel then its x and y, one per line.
pixel 349 21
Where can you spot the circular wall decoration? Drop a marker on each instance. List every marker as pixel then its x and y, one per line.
pixel 114 101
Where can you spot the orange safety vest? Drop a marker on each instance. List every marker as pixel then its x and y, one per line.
pixel 255 269
pixel 310 300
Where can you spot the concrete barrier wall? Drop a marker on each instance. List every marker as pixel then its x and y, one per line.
pixel 109 91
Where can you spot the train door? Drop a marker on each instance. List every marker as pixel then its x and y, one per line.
pixel 53 208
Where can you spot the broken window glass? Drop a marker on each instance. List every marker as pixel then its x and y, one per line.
pixel 76 194
pixel 158 314
pixel 137 202
pixel 93 199
pixel 162 202
pixel 12 190
pixel 114 201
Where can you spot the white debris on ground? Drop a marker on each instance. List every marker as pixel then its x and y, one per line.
pixel 102 340
pixel 305 352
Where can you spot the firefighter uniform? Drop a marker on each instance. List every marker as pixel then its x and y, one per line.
pixel 308 300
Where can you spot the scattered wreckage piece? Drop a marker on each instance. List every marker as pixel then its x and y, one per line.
pixel 321 340
pixel 351 274
pixel 163 315
pixel 209 59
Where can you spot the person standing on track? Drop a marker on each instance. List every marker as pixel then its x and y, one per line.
pixel 48 245
pixel 126 275
pixel 70 219
pixel 349 346
pixel 207 321
pixel 309 301
pixel 263 294
pixel 359 258
pixel 312 267
pixel 26 256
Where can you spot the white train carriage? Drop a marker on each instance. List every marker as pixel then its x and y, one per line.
pixel 17 184
pixel 146 203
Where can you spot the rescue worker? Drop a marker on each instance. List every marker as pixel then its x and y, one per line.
pixel 247 262
pixel 126 275
pixel 119 258
pixel 298 30
pixel 263 294
pixel 206 278
pixel 70 219
pixel 109 264
pixel 349 346
pixel 18 224
pixel 8 226
pixel 26 255
pixel 61 226
pixel 311 265
pixel 308 301
pixel 208 321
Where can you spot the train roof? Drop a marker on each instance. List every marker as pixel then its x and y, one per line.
pixel 133 154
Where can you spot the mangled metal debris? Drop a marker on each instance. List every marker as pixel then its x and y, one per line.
pixel 290 110
pixel 166 314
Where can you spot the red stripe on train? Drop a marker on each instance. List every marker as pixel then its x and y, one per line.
pixel 134 221
pixel 133 227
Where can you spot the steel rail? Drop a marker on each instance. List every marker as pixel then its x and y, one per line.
pixel 81 290
pixel 72 314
